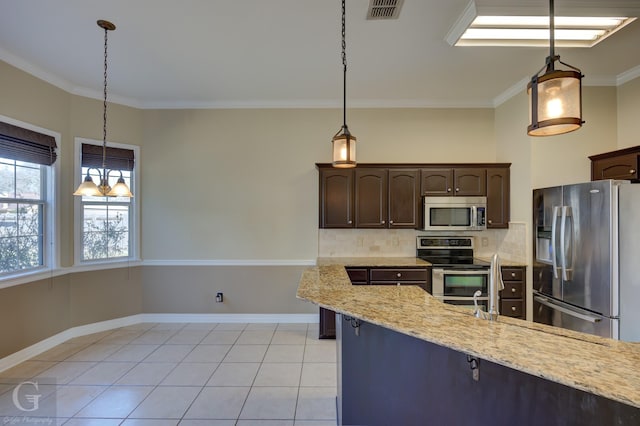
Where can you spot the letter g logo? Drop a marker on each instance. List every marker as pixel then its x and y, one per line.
pixel 33 399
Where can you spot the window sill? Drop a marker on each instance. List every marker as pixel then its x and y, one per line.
pixel 44 274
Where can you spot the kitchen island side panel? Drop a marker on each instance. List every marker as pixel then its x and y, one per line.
pixel 392 378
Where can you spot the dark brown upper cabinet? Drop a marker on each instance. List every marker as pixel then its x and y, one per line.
pixel 404 198
pixel 387 198
pixel 621 164
pixel 464 181
pixel 498 204
pixel 336 198
pixel 390 195
pixel 437 182
pixel 371 198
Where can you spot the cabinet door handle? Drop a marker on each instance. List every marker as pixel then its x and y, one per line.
pixel 489 221
pixel 632 171
pixel 349 222
pixel 457 189
pixel 390 222
pixel 382 222
pixel 448 189
pixel 513 275
pixel 513 289
pixel 513 308
pixel 399 275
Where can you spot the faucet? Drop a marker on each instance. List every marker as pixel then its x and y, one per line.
pixel 495 285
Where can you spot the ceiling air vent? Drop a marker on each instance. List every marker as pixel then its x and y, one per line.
pixel 384 9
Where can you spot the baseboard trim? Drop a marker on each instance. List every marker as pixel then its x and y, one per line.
pixel 82 330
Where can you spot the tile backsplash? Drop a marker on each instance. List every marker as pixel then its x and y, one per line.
pixel 510 243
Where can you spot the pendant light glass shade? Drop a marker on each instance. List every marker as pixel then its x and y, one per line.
pixel 344 149
pixel 555 103
pixel 88 188
pixel 120 189
pixel 555 97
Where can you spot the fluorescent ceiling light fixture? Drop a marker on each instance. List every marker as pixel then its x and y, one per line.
pixel 571 31
pixel 529 34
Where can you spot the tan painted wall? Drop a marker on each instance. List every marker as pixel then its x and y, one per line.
pixel 246 289
pixel 629 114
pixel 104 295
pixel 241 184
pixel 35 311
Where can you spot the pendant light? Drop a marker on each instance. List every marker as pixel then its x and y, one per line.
pixel 344 143
pixel 555 97
pixel 88 188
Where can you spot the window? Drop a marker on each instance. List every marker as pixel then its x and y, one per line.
pixel 107 224
pixel 26 198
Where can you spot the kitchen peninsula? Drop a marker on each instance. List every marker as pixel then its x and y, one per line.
pixel 406 358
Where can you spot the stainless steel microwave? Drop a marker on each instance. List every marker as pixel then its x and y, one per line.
pixel 455 213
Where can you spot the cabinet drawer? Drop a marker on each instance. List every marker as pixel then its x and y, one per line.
pixel 512 274
pixel 419 283
pixel 398 275
pixel 512 308
pixel 358 275
pixel 512 290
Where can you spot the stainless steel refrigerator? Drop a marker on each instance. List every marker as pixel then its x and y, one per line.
pixel 586 258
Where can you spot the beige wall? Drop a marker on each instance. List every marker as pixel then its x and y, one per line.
pixel 241 184
pixel 246 289
pixel 35 311
pixel 629 114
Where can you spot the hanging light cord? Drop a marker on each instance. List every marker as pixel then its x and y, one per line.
pixel 104 114
pixel 344 64
pixel 552 58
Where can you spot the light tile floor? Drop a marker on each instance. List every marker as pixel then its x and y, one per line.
pixel 179 374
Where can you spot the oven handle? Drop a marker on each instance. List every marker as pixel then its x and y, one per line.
pixel 461 272
pixel 463 298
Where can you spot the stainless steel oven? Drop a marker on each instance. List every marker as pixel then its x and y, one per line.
pixel 456 275
pixel 457 286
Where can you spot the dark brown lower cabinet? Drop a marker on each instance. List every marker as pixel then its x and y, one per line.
pixel 327 329
pixel 513 299
pixel 418 276
pixel 389 378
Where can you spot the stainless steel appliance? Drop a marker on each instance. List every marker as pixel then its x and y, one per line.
pixel 586 258
pixel 455 213
pixel 456 275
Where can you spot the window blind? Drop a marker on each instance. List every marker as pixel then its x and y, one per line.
pixel 21 144
pixel 116 158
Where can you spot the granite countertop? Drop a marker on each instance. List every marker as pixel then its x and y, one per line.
pixel 604 367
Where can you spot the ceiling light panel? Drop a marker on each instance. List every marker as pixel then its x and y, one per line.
pixel 570 31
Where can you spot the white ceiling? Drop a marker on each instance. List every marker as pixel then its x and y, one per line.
pixel 286 53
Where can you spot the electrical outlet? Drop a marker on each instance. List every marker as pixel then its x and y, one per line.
pixel 485 241
pixel 219 297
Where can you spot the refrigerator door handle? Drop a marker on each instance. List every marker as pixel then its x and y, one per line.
pixel 554 251
pixel 546 302
pixel 566 246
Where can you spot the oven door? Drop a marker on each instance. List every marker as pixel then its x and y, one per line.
pixel 454 283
